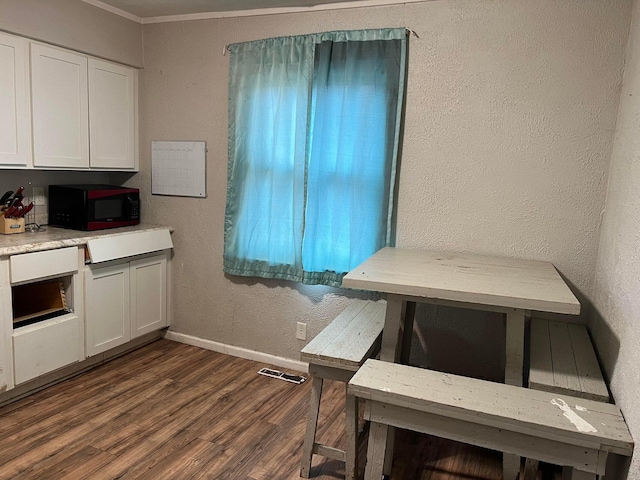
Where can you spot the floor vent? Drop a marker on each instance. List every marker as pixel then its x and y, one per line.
pixel 287 377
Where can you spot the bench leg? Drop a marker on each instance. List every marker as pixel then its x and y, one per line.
pixel 312 425
pixel 569 473
pixel 376 451
pixel 530 469
pixel 510 466
pixel 388 454
pixel 351 455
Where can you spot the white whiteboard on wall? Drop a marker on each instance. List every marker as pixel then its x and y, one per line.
pixel 178 168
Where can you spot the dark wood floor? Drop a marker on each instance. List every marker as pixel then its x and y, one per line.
pixel 172 411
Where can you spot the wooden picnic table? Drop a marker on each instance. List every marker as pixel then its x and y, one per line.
pixel 511 286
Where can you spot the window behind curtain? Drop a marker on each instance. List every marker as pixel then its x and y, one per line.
pixel 269 184
pixel 350 153
pixel 313 138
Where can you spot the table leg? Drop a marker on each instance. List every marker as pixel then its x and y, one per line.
pixel 513 370
pixel 407 332
pixel 393 325
pixel 406 324
pixel 381 445
pixel 514 364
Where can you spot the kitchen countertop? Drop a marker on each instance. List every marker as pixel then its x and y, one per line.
pixel 54 237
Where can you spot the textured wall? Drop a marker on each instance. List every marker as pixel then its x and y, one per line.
pixel 76 25
pixel 12 179
pixel 511 107
pixel 615 324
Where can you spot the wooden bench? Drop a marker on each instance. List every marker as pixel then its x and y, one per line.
pixel 549 427
pixel 337 353
pixel 563 361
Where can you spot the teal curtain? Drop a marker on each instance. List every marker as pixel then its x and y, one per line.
pixel 314 125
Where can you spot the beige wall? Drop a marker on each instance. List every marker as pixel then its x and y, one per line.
pixel 75 25
pixel 615 324
pixel 12 179
pixel 511 107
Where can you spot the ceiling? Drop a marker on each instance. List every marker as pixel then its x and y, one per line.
pixel 160 8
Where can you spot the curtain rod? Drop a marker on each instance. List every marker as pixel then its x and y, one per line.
pixel 226 48
pixel 412 32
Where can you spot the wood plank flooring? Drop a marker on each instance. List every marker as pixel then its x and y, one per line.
pixel 173 411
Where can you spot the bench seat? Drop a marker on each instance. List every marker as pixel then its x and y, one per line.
pixel 336 353
pixel 349 339
pixel 546 426
pixel 563 361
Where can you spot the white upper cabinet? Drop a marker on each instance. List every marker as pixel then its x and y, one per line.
pixel 77 113
pixel 59 97
pixel 112 127
pixel 15 147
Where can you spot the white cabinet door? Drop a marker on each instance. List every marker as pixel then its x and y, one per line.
pixel 112 115
pixel 6 352
pixel 15 145
pixel 60 111
pixel 148 295
pixel 107 311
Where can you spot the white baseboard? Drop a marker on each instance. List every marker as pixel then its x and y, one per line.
pixel 245 353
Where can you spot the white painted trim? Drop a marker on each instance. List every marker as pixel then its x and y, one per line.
pixel 245 353
pixel 114 10
pixel 252 12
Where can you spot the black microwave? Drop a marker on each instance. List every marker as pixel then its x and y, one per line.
pixel 93 207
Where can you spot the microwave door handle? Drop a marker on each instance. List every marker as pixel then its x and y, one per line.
pixel 130 207
pixel 127 206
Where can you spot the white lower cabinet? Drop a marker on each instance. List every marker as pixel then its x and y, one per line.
pixel 47 346
pixel 121 294
pixel 6 351
pixel 107 312
pixel 124 300
pixel 43 312
pixel 148 279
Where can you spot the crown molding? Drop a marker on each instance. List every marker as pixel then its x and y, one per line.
pixel 251 13
pixel 114 10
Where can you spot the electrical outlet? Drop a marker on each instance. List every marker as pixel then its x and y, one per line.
pixel 301 331
pixel 38 195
